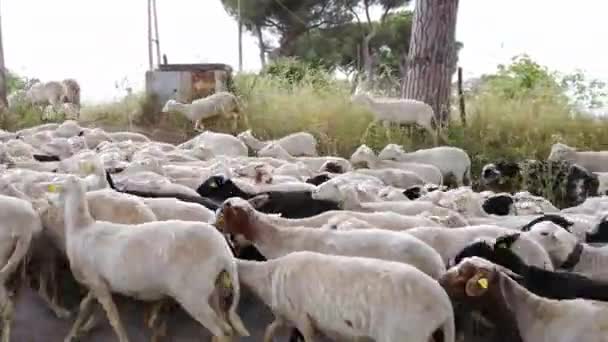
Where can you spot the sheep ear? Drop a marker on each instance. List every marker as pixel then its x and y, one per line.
pixel 477 285
pixel 259 201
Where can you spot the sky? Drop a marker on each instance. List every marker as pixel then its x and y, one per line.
pixel 102 43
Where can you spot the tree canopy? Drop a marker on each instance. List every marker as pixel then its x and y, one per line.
pixel 312 23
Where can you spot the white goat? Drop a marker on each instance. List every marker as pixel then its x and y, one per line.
pixel 452 161
pixel 196 263
pixel 351 297
pixel 300 144
pixel 223 104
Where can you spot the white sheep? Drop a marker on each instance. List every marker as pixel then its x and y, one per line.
pixel 394 177
pixel 529 318
pixel 365 155
pixel 104 205
pixel 452 161
pixel 195 263
pixel 593 161
pixel 602 178
pixel 19 224
pixel 380 220
pixel 397 111
pixel 275 150
pixel 222 103
pixel 300 144
pixel 449 242
pixel 166 209
pixel 128 136
pixel 524 200
pixel 568 253
pixel 217 144
pixel 351 297
pixel 237 217
pixel 348 198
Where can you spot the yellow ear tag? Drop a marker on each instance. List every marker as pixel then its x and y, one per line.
pixel 52 188
pixel 483 282
pixel 219 221
pixel 225 280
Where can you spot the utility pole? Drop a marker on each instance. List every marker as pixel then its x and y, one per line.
pixel 3 101
pixel 240 38
pixel 150 58
pixel 157 39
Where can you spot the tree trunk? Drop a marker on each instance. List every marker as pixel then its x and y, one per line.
pixel 432 55
pixel 261 44
pixel 368 61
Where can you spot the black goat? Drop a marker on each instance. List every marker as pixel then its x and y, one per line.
pixel 290 204
pixel 206 202
pixel 544 283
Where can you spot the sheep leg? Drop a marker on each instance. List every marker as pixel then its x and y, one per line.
pixel 197 125
pixel 203 314
pixel 306 328
pixel 89 324
pixel 21 248
pixel 86 306
pixel 154 313
pixel 366 133
pixel 158 334
pixel 272 328
pixel 103 295
pixel 387 130
pixel 57 309
pixel 7 320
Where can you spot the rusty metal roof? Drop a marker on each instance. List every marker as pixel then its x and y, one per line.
pixel 195 67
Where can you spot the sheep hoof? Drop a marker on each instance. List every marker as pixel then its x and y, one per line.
pixel 62 313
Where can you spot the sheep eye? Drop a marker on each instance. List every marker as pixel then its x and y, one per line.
pixel 544 234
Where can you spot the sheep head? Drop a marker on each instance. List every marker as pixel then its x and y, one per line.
pixel 245 135
pixel 328 191
pixel 499 204
pixel 557 241
pixel 274 150
pixel 471 278
pixel 560 151
pixel 391 152
pixel 237 217
pixel 362 155
pixel 169 106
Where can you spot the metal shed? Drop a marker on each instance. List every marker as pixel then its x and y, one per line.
pixel 187 82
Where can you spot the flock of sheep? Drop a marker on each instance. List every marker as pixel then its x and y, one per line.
pixel 380 247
